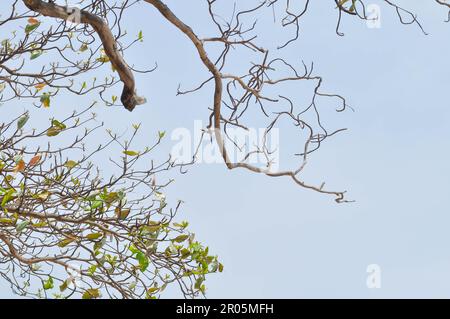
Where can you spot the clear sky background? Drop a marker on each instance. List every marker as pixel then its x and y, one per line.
pixel 275 239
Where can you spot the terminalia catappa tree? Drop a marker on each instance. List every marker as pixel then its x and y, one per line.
pixel 66 230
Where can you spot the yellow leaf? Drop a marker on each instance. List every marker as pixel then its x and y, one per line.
pixel 39 225
pixel 43 195
pixel 131 153
pixel 122 213
pixel 7 221
pixel 152 290
pixel 94 236
pixel 84 47
pixel 40 86
pixel 103 59
pixel 91 294
pixel 63 243
pixel 70 164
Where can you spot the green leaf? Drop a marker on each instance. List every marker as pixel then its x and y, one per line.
pixel 31 27
pixel 132 286
pixel 141 36
pixel 143 261
pixel 35 54
pixel 59 125
pixel 152 227
pixel 45 100
pixel 198 282
pixel 99 244
pixel 180 238
pixel 183 224
pixel 185 253
pixel 111 197
pixel 92 269
pixel 48 284
pixel 161 134
pixel 22 121
pixel 64 285
pixel 21 226
pixel 8 196
pixel 133 249
pixel 53 131
pixel 96 204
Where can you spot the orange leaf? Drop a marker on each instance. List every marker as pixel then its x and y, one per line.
pixel 33 21
pixel 35 160
pixel 19 167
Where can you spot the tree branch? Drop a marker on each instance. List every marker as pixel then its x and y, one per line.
pixel 218 77
pixel 129 98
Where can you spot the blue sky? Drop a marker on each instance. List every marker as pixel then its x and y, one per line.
pixel 277 240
